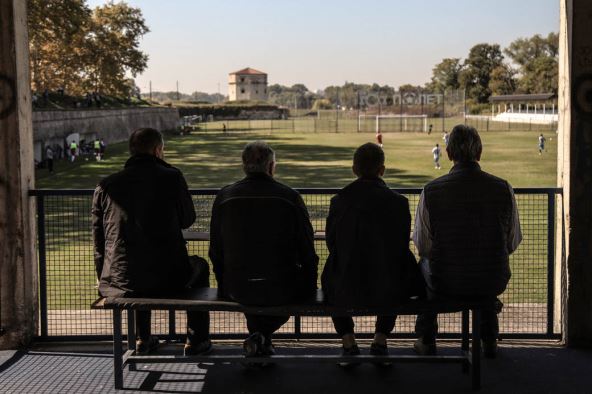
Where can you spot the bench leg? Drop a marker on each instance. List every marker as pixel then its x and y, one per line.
pixel 131 336
pixel 465 340
pixel 476 351
pixel 117 351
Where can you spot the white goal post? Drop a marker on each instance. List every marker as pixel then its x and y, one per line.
pixel 397 122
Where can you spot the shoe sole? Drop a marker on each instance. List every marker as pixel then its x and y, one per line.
pixel 419 352
pixel 203 353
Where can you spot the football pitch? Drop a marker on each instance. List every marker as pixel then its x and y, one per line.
pixel 212 160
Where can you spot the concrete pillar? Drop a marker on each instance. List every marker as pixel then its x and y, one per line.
pixel 18 263
pixel 575 167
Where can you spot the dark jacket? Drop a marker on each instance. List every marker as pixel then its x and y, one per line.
pixel 369 261
pixel 138 214
pixel 262 243
pixel 470 214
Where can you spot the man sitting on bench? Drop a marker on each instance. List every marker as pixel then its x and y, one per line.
pixel 466 226
pixel 262 245
pixel 369 263
pixel 138 214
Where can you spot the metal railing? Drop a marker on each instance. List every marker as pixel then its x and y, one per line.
pixel 67 276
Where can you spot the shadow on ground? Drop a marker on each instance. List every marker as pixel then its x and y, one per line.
pixel 531 367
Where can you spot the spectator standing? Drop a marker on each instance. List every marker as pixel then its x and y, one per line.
pixel 49 158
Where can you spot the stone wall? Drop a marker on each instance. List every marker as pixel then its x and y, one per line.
pixel 113 125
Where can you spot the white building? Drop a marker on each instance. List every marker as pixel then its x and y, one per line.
pixel 247 84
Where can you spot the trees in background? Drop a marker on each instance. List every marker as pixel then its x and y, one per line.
pixel 83 50
pixel 531 67
pixel 445 75
pixel 477 68
pixel 537 61
pixel 295 96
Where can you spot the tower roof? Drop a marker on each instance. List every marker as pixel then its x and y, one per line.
pixel 248 71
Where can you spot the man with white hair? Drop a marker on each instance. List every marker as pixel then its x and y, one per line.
pixel 262 245
pixel 466 227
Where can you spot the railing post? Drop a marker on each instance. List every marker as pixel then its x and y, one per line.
pixel 550 261
pixel 297 327
pixel 42 265
pixel 172 325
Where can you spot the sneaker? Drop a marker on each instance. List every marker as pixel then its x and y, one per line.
pixel 424 349
pixel 257 345
pixel 253 345
pixel 147 346
pixel 199 349
pixel 489 348
pixel 349 351
pixel 377 349
pixel 268 349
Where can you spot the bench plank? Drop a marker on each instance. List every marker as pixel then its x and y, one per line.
pixel 207 299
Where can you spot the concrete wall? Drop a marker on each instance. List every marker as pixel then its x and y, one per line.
pixel 113 125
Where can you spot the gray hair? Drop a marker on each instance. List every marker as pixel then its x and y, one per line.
pixel 464 144
pixel 257 157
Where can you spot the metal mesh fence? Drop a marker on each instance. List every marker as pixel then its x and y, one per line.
pixel 68 279
pixel 366 123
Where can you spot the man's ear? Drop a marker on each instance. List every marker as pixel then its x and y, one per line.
pixel 354 171
pixel 159 151
pixel 271 169
pixel 448 154
pixel 381 171
pixel 479 154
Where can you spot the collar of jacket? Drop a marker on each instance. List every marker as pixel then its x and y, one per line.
pixel 378 180
pixel 465 166
pixel 259 175
pixel 142 159
pixel 363 183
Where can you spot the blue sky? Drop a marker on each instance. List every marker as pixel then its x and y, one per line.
pixel 321 43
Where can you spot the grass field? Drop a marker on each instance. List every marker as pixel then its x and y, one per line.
pixel 211 160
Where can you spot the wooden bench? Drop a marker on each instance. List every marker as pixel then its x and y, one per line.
pixel 208 300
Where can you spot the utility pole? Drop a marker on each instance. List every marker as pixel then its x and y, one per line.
pixel 178 99
pixel 151 91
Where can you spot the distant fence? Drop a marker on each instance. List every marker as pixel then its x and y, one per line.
pixel 68 281
pixel 366 124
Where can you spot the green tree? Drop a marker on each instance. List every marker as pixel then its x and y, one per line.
pixel 537 61
pixel 502 80
pixel 112 48
pixel 57 36
pixel 477 69
pixel 445 75
pixel 296 95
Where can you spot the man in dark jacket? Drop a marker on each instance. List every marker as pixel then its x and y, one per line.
pixel 261 245
pixel 369 261
pixel 138 214
pixel 466 226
